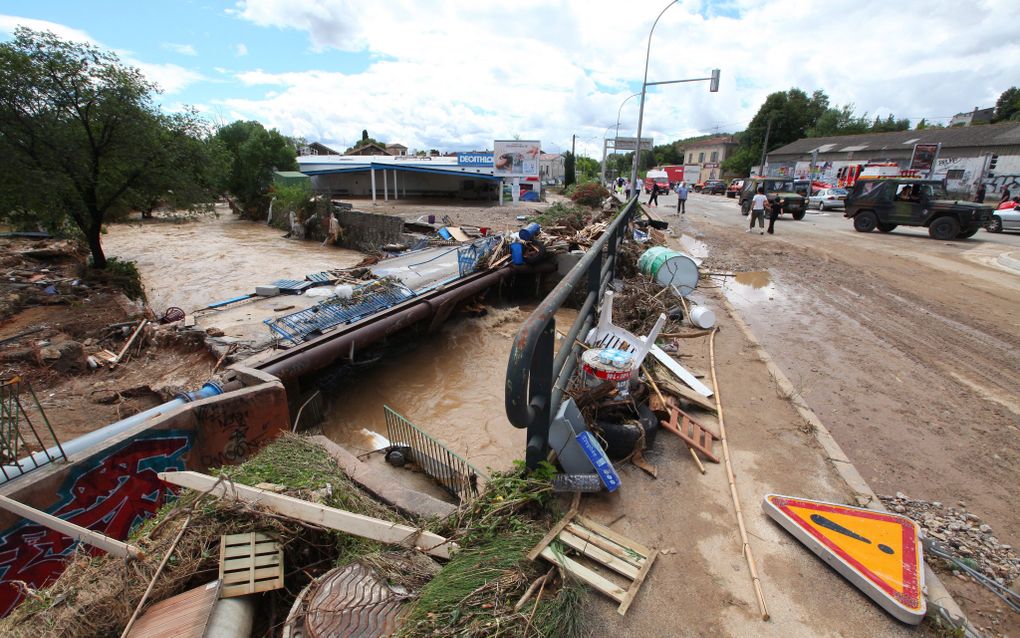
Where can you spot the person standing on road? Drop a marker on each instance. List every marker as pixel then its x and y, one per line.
pixel 979 197
pixel 1005 195
pixel 653 198
pixel 758 205
pixel 681 199
pixel 775 211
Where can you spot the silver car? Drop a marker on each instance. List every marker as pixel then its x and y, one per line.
pixel 827 198
pixel 1005 219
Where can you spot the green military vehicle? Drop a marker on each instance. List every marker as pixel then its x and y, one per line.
pixel 793 202
pixel 885 203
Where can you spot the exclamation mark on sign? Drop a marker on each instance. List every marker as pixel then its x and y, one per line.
pixel 820 520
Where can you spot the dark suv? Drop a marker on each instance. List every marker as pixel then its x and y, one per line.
pixel 890 202
pixel 714 187
pixel 793 202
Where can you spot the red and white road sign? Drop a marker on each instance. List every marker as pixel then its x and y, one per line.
pixel 878 552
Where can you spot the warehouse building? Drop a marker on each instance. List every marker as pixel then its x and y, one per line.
pixel 966 156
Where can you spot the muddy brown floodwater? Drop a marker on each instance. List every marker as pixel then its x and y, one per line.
pixel 450 384
pixel 217 257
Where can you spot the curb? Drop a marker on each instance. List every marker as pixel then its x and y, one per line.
pixel 939 598
pixel 1009 261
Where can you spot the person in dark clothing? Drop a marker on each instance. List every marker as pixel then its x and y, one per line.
pixel 1005 195
pixel 653 199
pixel 776 211
pixel 979 197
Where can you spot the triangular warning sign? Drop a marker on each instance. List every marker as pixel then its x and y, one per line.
pixel 878 552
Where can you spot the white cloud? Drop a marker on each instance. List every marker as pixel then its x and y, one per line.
pixel 240 50
pixel 9 23
pixel 458 74
pixel 183 49
pixel 171 78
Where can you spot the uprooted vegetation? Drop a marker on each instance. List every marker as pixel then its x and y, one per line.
pixel 474 594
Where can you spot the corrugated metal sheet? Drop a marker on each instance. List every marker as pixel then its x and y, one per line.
pixel 182 616
pixel 353 601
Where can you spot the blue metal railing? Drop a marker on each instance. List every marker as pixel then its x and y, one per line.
pixel 534 378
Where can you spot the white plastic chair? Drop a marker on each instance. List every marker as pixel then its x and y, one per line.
pixel 606 335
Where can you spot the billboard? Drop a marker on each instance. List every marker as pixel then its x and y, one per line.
pixel 474 159
pixel 924 157
pixel 516 158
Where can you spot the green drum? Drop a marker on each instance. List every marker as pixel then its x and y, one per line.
pixel 669 267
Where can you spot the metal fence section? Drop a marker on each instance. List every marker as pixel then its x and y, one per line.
pixel 469 256
pixel 367 299
pixel 535 379
pixel 452 472
pixel 15 422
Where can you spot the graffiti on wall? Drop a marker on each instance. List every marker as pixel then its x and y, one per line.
pixel 111 493
pixel 1000 182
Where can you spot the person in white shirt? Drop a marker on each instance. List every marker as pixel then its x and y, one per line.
pixel 758 205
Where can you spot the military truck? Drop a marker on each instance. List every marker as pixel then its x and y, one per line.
pixel 885 203
pixel 793 202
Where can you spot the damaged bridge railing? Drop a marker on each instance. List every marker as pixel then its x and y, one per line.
pixel 535 379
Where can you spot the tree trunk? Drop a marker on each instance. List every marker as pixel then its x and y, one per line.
pixel 95 246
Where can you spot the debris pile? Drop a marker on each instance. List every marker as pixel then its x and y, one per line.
pixel 964 535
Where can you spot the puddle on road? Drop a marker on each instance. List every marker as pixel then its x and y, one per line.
pixel 450 384
pixel 694 247
pixel 756 279
pixel 749 289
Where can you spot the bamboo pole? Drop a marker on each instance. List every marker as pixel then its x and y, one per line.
pixel 662 400
pixel 748 555
pixel 152 583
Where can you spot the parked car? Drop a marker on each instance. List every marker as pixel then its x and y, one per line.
pixel 1004 219
pixel 885 203
pixel 714 187
pixel 734 188
pixel 828 198
pixel 793 203
pixel 698 186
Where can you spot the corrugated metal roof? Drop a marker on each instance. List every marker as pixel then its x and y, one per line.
pixel 182 616
pixel 987 135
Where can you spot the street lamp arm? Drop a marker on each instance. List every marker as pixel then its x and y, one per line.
pixel 677 81
pixel 644 86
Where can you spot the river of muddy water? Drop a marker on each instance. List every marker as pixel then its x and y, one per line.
pixel 450 384
pixel 195 263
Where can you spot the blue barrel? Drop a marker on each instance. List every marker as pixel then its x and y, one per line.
pixel 528 232
pixel 517 253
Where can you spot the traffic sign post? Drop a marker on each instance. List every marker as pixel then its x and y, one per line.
pixel 878 552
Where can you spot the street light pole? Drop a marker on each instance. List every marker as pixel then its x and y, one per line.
pixel 713 87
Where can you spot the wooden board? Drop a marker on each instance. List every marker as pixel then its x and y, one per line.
pixel 330 517
pixel 249 563
pixel 681 373
pixel 668 383
pixel 67 528
pixel 183 616
pixel 457 233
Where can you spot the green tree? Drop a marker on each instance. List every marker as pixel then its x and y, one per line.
pixel 839 120
pixel 80 138
pixel 569 172
pixel 254 153
pixel 787 116
pixel 1007 107
pixel 587 168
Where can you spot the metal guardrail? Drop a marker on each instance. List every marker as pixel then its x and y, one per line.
pixel 534 378
pixel 14 417
pixel 453 473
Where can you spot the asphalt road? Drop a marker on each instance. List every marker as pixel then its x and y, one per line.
pixel 907 348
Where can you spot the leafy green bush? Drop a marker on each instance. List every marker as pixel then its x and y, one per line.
pixel 122 274
pixel 589 194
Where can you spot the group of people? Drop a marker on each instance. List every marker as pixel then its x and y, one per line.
pixel 681 191
pixel 759 204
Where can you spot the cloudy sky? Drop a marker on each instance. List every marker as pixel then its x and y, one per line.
pixel 455 75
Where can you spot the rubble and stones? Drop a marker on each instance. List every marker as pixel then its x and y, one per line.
pixel 962 533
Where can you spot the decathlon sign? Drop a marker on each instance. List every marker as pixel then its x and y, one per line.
pixel 474 159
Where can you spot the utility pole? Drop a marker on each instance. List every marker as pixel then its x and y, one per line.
pixel 764 147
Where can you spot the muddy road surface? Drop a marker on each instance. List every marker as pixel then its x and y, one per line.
pixel 907 348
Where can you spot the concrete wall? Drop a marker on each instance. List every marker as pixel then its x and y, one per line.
pixel 113 486
pixel 368 231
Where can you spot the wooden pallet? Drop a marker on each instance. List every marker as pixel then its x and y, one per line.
pixel 249 563
pixel 693 433
pixel 601 546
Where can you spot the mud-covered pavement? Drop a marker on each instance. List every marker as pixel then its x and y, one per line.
pixel 907 348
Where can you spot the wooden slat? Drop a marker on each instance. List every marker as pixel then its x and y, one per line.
pixel 251 575
pixel 617 538
pixel 607 545
pixel 551 534
pixel 337 519
pixel 599 555
pixel 67 528
pixel 602 584
pixel 636 585
pixel 245 550
pixel 264 560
